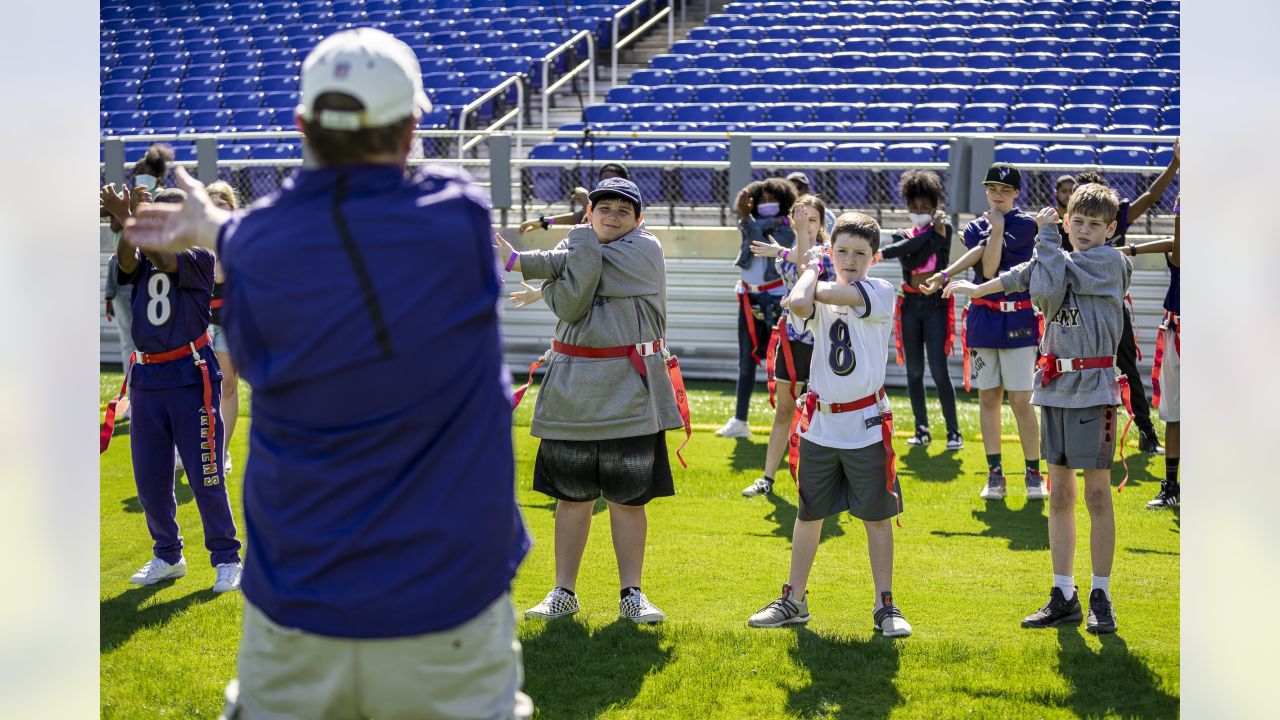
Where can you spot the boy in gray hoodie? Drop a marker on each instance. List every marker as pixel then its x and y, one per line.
pixel 607 398
pixel 1082 292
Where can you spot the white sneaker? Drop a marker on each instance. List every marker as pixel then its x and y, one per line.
pixel 735 428
pixel 955 441
pixel 637 608
pixel 888 618
pixel 1035 486
pixel 228 577
pixel 157 570
pixel 761 486
pixel 995 489
pixel 557 604
pixel 783 611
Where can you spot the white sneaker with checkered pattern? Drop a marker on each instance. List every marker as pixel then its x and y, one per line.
pixel 557 604
pixel 635 607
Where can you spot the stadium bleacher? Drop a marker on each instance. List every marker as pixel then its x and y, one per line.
pixel 1044 66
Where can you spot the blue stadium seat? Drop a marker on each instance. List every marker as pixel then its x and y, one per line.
pixel 209 120
pixel 1077 129
pixel 786 128
pixel 1157 32
pixel 1124 155
pixel 153 103
pixel 760 94
pixel 1053 76
pixel 1172 115
pixel 964 77
pixel 1035 61
pixel 159 86
pixel 745 33
pixel 1162 156
pixel 652 77
pixel 1135 115
pixel 824 76
pixel 1167 61
pixel 886 112
pixel 742 112
pixel 945 30
pixel 806 94
pixel 1027 31
pixel 1115 32
pixel 940 60
pixel 910 76
pixel 777 46
pixel 758 61
pixel 1002 94
pixel 1080 60
pixel 961 44
pixel 1140 46
pixel 203 101
pixel 273 84
pixel 1154 78
pixel 1006 76
pixel 1091 95
pixel 1038 94
pixel 652 112
pixel 1172 46
pixel 599 152
pixel 698 185
pixel 868 76
pixel 852 186
pixel 1071 31
pixel 955 94
pixel 803 155
pixel 988 30
pixel 441 80
pixel 718 94
pixel 986 113
pixel 909 45
pixel 707 32
pixel 127 122
pixel 1088 45
pixel 899 94
pixel 688 76
pixel 910 153
pixel 237 100
pixel 649 179
pixel 1001 46
pixel 852 94
pixel 1019 153
pixel 1108 77
pixel 1028 127
pixel 119 103
pixel 692 47
pixel 890 60
pixel 248 118
pixel 629 94
pixel 1050 45
pixel 1034 113
pixel 1128 61
pixel 936 113
pixel 1070 155
pixel 975 127
pixel 1084 114
pixel 1141 96
pixel 168 120
pixel 780 76
pixel 868 126
pixel 238 85
pixel 788 112
pixel 697 113
pixel 604 113
pixel 837 112
pixel 666 94
pixel 710 61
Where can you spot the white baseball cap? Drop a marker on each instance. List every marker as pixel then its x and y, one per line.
pixel 371 66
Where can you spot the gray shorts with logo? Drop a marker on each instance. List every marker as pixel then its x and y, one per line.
pixel 833 480
pixel 1079 438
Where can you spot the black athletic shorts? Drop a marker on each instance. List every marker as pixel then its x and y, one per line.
pixel 801 354
pixel 626 471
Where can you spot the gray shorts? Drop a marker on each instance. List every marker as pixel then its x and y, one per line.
pixel 833 480
pixel 1079 438
pixel 218 339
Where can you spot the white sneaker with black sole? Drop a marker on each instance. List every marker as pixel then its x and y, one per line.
pixel 557 604
pixel 921 438
pixel 735 428
pixel 889 620
pixel 228 577
pixel 955 441
pixel 157 570
pixel 786 610
pixel 634 606
pixel 762 486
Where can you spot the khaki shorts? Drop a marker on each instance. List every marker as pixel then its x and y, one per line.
pixel 1170 387
pixel 1010 368
pixel 833 480
pixel 471 671
pixel 1079 438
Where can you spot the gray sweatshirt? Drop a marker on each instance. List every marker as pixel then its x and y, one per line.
pixel 603 295
pixel 1082 297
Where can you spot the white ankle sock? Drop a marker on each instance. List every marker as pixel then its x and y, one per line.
pixel 1103 584
pixel 1067 584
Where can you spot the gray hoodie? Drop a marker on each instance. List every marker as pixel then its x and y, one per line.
pixel 603 295
pixel 1082 297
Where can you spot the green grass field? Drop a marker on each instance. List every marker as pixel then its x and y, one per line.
pixel 966 573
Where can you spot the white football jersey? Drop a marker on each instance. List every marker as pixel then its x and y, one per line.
pixel 850 351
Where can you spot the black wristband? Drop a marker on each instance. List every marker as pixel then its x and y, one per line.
pixel 545 223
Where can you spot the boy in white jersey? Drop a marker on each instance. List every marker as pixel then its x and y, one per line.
pixel 844 445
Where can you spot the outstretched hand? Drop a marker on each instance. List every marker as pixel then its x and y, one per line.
pixel 766 249
pixel 959 287
pixel 504 251
pixel 172 227
pixel 932 284
pixel 528 296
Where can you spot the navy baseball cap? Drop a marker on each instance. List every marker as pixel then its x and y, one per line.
pixel 618 186
pixel 1004 174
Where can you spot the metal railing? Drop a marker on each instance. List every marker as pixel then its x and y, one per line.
pixel 588 65
pixel 618 44
pixel 517 113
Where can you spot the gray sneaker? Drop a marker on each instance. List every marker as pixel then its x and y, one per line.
pixel 888 618
pixel 762 486
pixel 557 604
pixel 635 607
pixel 783 611
pixel 1036 486
pixel 995 488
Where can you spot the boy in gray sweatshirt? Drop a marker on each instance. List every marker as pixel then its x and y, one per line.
pixel 1082 293
pixel 606 399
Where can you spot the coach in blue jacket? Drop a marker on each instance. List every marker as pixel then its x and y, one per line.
pixel 361 305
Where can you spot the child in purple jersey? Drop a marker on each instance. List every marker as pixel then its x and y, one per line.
pixel 175 392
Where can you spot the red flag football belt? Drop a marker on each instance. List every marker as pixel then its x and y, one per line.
pixel 949 344
pixel 190 349
pixel 778 338
pixel 1172 322
pixel 1000 306
pixel 1053 366
pixel 634 353
pixel 807 405
pixel 747 317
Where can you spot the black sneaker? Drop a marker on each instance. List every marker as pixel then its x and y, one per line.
pixel 1057 611
pixel 921 438
pixel 954 441
pixel 1149 443
pixel 1102 617
pixel 1168 498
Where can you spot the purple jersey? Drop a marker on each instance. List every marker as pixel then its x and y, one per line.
pixel 1173 296
pixel 992 328
pixel 169 311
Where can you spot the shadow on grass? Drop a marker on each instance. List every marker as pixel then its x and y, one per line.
pixel 1139 468
pixel 1145 551
pixel 550 505
pixel 607 667
pixel 784 519
pixel 943 467
pixel 848 678
pixel 1025 529
pixel 748 456
pixel 181 491
pixel 1111 682
pixel 124 615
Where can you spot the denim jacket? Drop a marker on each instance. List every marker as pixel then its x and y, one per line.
pixel 757 229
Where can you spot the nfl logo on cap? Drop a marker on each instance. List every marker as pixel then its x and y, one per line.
pixel 1004 174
